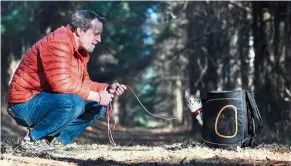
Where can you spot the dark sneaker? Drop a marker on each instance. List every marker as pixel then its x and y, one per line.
pixel 37 147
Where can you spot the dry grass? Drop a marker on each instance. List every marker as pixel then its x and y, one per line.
pixel 193 154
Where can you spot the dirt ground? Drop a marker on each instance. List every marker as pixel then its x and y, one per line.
pixel 139 146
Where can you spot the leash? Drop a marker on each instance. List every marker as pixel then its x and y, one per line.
pixel 145 108
pixel 108 115
pixel 109 131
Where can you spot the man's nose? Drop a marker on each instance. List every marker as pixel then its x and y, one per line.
pixel 98 39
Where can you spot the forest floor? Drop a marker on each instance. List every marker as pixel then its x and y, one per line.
pixel 139 146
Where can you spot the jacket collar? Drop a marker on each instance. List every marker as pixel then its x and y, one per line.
pixel 71 37
pixel 81 54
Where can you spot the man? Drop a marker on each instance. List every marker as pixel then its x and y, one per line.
pixel 51 92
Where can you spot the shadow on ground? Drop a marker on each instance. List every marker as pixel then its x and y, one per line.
pixel 215 161
pixel 97 133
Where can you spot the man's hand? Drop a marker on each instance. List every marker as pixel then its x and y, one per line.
pixel 105 98
pixel 117 89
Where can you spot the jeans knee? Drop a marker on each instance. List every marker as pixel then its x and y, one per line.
pixel 77 104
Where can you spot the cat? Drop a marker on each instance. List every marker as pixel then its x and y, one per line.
pixel 194 102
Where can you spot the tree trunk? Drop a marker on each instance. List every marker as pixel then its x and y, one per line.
pixel 178 111
pixel 244 50
pixel 287 62
pixel 259 61
pixel 195 55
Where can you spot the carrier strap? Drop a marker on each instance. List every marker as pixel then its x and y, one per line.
pixel 254 116
pixel 254 109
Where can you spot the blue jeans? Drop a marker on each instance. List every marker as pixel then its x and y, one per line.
pixel 64 116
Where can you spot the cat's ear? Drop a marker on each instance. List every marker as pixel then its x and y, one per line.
pixel 187 93
pixel 197 93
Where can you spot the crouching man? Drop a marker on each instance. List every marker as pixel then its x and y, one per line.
pixel 51 92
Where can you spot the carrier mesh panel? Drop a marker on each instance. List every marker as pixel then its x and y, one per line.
pixel 226 122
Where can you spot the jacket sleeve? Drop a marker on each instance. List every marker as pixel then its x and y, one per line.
pixel 56 62
pixel 94 86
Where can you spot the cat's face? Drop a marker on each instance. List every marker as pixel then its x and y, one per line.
pixel 193 101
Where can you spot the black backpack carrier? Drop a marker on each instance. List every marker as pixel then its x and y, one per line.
pixel 230 119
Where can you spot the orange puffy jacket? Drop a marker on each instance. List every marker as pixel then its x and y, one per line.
pixel 53 64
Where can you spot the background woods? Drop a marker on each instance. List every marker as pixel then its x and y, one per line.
pixel 162 48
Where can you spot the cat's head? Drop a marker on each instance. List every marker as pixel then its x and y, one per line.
pixel 193 101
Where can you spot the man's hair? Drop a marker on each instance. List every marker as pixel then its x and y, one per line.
pixel 82 19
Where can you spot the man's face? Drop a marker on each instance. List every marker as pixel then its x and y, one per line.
pixel 91 37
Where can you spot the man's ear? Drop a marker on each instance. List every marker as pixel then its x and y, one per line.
pixel 78 32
